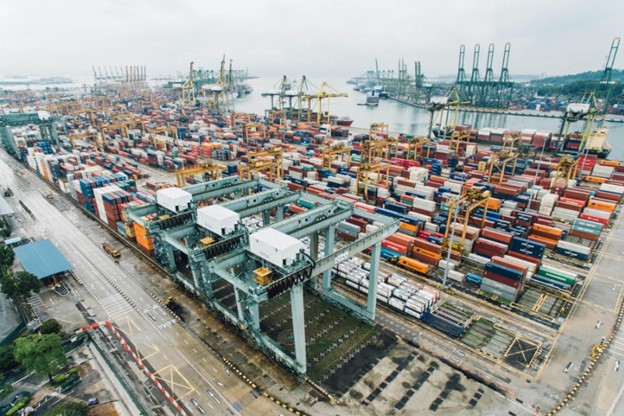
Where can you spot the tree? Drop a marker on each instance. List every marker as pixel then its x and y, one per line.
pixel 7 358
pixel 8 286
pixel 42 354
pixel 7 256
pixel 26 282
pixel 50 326
pixel 68 408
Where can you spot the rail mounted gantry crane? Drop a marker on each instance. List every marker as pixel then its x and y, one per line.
pixel 567 169
pixel 250 129
pixel 268 162
pixel 470 200
pixel 458 138
pixel 238 118
pixel 499 161
pixel 120 128
pixel 226 260
pixel 337 152
pixel 80 136
pixel 325 93
pixel 209 171
pixel 416 148
pixel 373 151
pixel 170 133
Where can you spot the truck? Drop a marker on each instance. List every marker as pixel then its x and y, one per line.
pixel 112 251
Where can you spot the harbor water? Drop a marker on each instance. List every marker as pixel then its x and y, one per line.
pixel 403 118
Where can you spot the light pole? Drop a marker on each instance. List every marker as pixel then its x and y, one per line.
pixel 450 244
pixel 539 164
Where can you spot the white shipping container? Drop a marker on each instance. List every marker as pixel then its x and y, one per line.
pixel 577 248
pixel 615 189
pixel 173 199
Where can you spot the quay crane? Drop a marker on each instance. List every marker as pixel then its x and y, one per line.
pixel 324 93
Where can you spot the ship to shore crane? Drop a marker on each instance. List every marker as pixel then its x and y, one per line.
pixel 210 170
pixel 472 199
pixel 187 90
pixel 442 105
pixel 586 110
pixel 325 93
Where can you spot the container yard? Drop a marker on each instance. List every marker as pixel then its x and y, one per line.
pixel 321 243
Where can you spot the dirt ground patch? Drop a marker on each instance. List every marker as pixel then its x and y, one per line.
pixel 106 409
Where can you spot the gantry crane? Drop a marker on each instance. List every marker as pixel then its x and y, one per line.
pixel 210 170
pixel 500 161
pixel 586 110
pixel 415 148
pixel 253 128
pixel 605 81
pixel 241 118
pixel 80 136
pixel 118 127
pixel 470 200
pixel 324 93
pixel 457 139
pixel 373 150
pixel 443 105
pixel 268 162
pixel 187 90
pixel 336 152
pixel 162 131
pixel 88 112
pixel 566 168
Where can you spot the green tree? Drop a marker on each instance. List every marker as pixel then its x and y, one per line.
pixel 7 256
pixel 42 354
pixel 7 359
pixel 50 326
pixel 68 408
pixel 8 286
pixel 25 283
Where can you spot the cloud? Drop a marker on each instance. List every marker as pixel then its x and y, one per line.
pixel 275 37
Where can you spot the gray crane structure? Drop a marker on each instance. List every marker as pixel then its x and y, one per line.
pixel 229 260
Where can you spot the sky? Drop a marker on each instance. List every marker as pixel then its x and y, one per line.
pixel 314 37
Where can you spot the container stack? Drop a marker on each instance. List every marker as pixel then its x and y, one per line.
pixel 555 278
pixel 448 319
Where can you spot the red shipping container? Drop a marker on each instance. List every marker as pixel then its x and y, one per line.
pixel 525 257
pixel 501 279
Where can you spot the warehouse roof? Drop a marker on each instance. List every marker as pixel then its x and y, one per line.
pixel 5 209
pixel 42 259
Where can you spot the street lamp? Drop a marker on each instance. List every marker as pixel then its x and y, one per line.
pixel 539 164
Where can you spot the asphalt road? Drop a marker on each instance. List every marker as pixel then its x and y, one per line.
pixel 179 360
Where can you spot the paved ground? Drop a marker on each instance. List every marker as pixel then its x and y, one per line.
pixel 446 389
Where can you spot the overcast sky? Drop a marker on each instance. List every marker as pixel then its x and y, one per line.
pixel 312 37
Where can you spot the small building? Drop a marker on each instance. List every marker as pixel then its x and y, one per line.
pixel 42 259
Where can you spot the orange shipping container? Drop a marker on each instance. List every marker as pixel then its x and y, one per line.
pixel 494 204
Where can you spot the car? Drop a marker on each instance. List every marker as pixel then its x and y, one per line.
pixel 93 401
